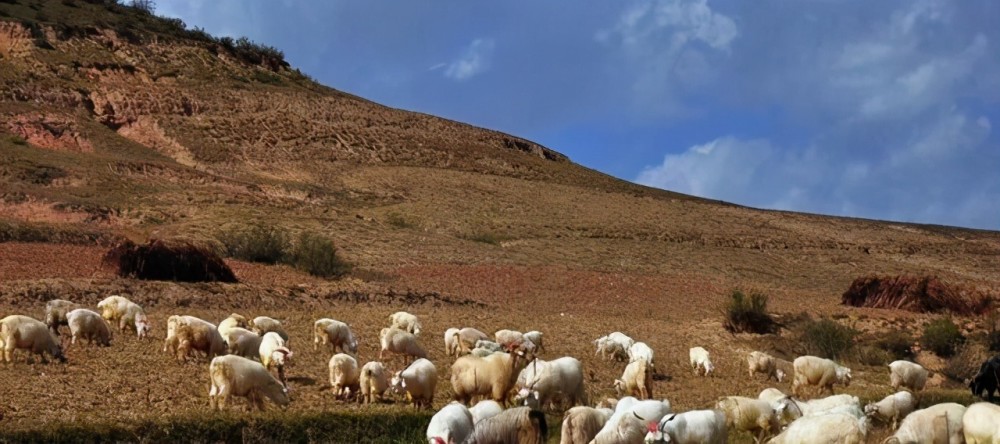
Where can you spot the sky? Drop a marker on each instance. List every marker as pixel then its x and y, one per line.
pixel 872 109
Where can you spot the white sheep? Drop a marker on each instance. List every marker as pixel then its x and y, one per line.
pixel 113 307
pixel 509 339
pixel 939 423
pixel 843 403
pixel 751 415
pixel 336 334
pixel 614 346
pixel 581 424
pixel 452 424
pixel 981 423
pixel 243 342
pixel 771 395
pixel 535 337
pixel 830 428
pixel 551 381
pixel 418 381
pixel 173 322
pixel 816 371
pixel 492 376
pixel 263 325
pixel 892 408
pixel 631 421
pixel 87 324
pixel 700 360
pixel 489 345
pixel 641 351
pixel 467 338
pixel 482 352
pixel 143 328
pixel 374 381
pixel 235 375
pixel 198 337
pixel 26 333
pixel 55 313
pixel 636 380
pixel 233 321
pixel 760 362
pixel 486 408
pixel 344 375
pixel 908 375
pixel 274 353
pixel 405 321
pixel 451 341
pixel 401 342
pixel 693 427
pixel 134 319
pixel 520 425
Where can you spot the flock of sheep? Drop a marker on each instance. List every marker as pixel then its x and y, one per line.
pixel 249 357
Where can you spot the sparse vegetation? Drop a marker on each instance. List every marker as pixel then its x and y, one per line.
pixel 942 337
pixel 400 221
pixel 257 243
pixel 20 231
pixel 317 256
pixel 748 314
pixel 897 343
pixel 827 338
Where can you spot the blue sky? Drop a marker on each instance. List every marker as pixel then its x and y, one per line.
pixel 881 110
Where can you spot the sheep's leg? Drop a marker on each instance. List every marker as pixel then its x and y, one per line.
pixel 222 397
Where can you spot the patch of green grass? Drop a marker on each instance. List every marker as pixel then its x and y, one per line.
pixel 400 221
pixel 942 337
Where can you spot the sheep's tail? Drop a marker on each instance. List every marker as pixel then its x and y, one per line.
pixel 543 429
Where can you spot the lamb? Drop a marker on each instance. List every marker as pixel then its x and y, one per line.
pixel 142 326
pixel 55 313
pixel 243 342
pixel 263 325
pixel 629 424
pixel 751 415
pixel 812 370
pixel 450 425
pixel 641 351
pixel 87 324
pixel 560 379
pixel 233 321
pixel 199 337
pixel 939 423
pixel 336 334
pixel 26 333
pixel 907 374
pixel 700 361
pixel 406 322
pixel 418 382
pixel 693 427
pixel 830 428
pixel 374 382
pixel 760 362
pixel 451 341
pixel 467 338
pixel 492 376
pixel 981 423
pixel 401 342
pixel 509 339
pixel 636 380
pixel 892 408
pixel 516 425
pixel 535 337
pixel 614 345
pixel 486 408
pixel 344 375
pixel 235 375
pixel 274 353
pixel 581 424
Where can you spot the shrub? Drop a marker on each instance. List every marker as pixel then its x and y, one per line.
pixel 317 256
pixel 257 243
pixel 827 338
pixel 168 261
pixel 874 356
pixel 400 221
pixel 897 343
pixel 748 314
pixel 942 337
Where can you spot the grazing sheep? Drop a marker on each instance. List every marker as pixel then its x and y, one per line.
pixel 235 375
pixel 557 380
pixel 418 382
pixel 401 342
pixel 486 408
pixel 581 424
pixel 233 321
pixel 336 334
pixel 113 307
pixel 641 351
pixel 170 343
pixel 794 409
pixel 636 380
pixel 87 324
pixel 198 337
pixel 493 376
pixel 263 325
pixel 406 322
pixel 614 346
pixel 243 342
pixel 908 375
pixel 344 375
pixel 55 313
pixel 981 423
pixel 751 415
pixel 535 337
pixel 693 427
pixel 451 341
pixel 450 425
pixel 274 353
pixel 26 333
pixel 143 328
pixel 509 339
pixel 830 428
pixel 987 379
pixel 816 371
pixel 133 318
pixel 700 360
pixel 374 381
pixel 467 338
pixel 630 423
pixel 760 362
pixel 939 423
pixel 892 408
pixel 517 425
pixel 771 395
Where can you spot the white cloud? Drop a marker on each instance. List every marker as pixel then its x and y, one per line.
pixel 475 60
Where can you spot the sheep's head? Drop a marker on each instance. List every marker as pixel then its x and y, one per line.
pixel 844 375
pixel 780 374
pixel 398 383
pixel 57 352
pixel 281 356
pixel 709 368
pixel 871 409
pixel 654 434
pixel 619 386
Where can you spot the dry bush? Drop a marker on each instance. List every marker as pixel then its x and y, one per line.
pixel 942 337
pixel 827 338
pixel 168 261
pixel 257 243
pixel 317 256
pixel 748 314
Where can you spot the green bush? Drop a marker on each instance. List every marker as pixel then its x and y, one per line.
pixel 897 343
pixel 317 256
pixel 258 243
pixel 942 337
pixel 745 314
pixel 827 338
pixel 874 356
